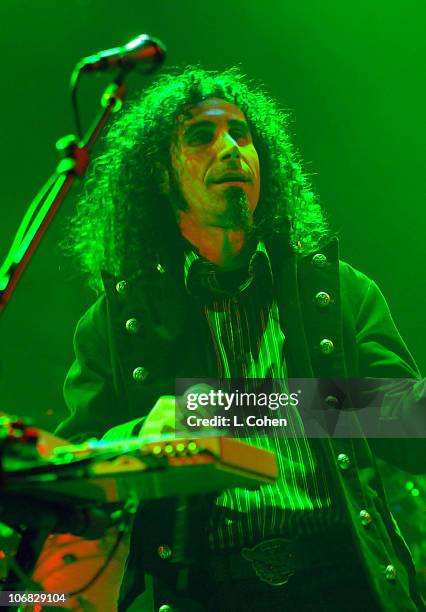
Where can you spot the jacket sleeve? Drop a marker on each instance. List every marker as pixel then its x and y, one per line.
pixel 94 399
pixel 384 356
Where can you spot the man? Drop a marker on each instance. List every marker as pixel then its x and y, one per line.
pixel 213 260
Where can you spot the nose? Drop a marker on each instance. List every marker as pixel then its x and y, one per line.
pixel 229 148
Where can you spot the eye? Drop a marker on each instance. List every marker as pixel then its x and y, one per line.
pixel 239 134
pixel 200 137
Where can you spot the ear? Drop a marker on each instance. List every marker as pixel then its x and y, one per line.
pixel 165 183
pixel 164 179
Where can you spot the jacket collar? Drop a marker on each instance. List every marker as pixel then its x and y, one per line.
pixel 164 292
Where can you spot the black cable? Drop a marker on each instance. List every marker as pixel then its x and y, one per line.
pixel 32 585
pixel 103 567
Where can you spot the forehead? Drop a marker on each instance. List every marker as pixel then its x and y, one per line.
pixel 212 109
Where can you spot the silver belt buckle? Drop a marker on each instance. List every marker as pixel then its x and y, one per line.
pixel 271 561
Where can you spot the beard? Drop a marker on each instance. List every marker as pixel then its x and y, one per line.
pixel 236 214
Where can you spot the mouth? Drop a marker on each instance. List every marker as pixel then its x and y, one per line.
pixel 231 177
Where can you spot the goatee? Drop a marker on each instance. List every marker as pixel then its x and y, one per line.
pixel 237 214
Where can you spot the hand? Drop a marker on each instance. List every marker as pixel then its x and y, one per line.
pixel 162 418
pixel 169 414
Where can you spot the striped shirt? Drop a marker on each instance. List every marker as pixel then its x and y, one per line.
pixel 248 342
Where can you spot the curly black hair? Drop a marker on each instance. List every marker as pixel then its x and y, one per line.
pixel 124 221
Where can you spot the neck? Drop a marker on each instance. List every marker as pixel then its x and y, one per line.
pixel 226 248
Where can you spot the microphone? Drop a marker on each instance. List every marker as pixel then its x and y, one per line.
pixel 146 52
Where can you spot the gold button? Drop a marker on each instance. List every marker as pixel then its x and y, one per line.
pixel 121 287
pixel 164 551
pixel 343 461
pixel 319 260
pixel 132 326
pixel 390 573
pixel 322 299
pixel 365 518
pixel 326 346
pixel 139 374
pixel 332 402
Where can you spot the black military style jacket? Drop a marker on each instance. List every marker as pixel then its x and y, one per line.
pixel 145 332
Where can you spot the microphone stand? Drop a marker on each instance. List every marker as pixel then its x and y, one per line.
pixel 39 524
pixel 46 203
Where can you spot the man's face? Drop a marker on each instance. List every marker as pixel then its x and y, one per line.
pixel 216 166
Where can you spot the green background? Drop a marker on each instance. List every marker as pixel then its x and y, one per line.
pixel 353 75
